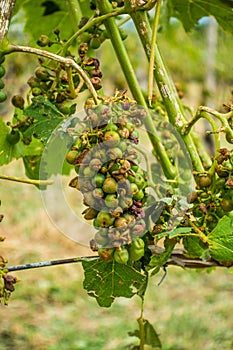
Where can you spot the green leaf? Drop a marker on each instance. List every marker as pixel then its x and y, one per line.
pixel 107 280
pixel 189 12
pixel 8 152
pixel 43 17
pixel 221 240
pixel 149 334
pixel 46 118
pixel 174 233
pixel 158 260
pixel 194 246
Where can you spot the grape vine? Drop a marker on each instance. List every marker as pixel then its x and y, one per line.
pixel 142 204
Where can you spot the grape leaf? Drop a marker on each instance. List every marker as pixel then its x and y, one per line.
pixel 53 160
pixel 8 152
pixel 46 118
pixel 158 260
pixel 179 231
pixel 189 12
pixel 194 246
pixel 221 240
pixel 43 17
pixel 107 280
pixel 151 337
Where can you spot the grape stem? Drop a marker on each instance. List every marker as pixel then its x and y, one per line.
pixel 27 181
pixel 134 86
pixel 68 61
pixel 152 56
pixel 165 85
pixel 74 12
pixel 203 112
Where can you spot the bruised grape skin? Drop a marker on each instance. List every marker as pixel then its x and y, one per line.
pixel 106 253
pixel 111 138
pixel 104 219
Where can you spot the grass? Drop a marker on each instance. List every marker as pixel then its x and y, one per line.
pixel 50 310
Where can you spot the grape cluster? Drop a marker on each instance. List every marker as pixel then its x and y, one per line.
pixel 6 281
pixel 62 84
pixel 114 186
pixel 213 197
pixel 3 94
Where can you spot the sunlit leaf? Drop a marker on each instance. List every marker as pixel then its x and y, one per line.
pixel 221 240
pixel 189 12
pixel 106 281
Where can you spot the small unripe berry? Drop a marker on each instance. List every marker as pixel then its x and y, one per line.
pixel 104 219
pixel 121 255
pixel 111 138
pixel 43 41
pixel 18 101
pixel 109 185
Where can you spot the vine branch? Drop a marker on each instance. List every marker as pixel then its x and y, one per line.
pixel 6 8
pixel 27 181
pixel 152 56
pixel 68 61
pixel 176 258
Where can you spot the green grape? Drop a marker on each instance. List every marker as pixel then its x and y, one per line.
pixel 43 41
pixel 98 180
pixel 18 101
pixel 139 195
pixel 2 59
pixel 111 138
pixel 121 255
pixel 36 91
pixel 2 71
pixel 111 201
pixel 104 219
pixel 13 137
pixel 204 181
pixel 137 249
pixel 2 84
pixel 3 96
pixel 71 156
pixel 109 185
pixel 42 74
pixel 95 43
pixel 226 204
